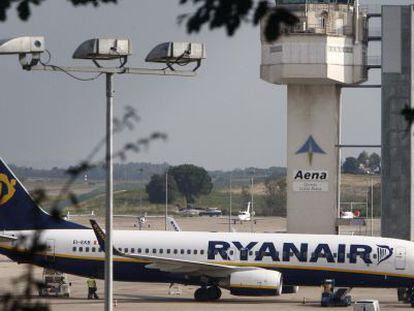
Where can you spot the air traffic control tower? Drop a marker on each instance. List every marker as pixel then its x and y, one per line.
pixel 323 52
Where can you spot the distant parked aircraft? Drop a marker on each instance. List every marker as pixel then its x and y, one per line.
pixel 246 215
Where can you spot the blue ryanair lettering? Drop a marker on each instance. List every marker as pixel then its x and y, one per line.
pixel 341 253
pixel 301 255
pixel 267 249
pixel 363 251
pixel 244 250
pixel 218 247
pixel 291 251
pixel 322 251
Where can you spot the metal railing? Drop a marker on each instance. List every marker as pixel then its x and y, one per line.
pixel 371 8
pixel 320 29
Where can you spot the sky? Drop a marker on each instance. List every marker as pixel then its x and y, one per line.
pixel 224 118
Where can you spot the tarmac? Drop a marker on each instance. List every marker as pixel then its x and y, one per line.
pixel 154 296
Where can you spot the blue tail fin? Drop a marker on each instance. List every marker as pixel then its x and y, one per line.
pixel 18 210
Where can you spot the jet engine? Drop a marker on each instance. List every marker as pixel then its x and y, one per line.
pixel 258 282
pixel 289 289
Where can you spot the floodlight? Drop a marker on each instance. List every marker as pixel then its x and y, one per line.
pixel 22 45
pixel 103 49
pixel 180 53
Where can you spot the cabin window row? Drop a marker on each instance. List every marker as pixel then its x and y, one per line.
pixel 87 249
pixel 82 249
pixel 161 251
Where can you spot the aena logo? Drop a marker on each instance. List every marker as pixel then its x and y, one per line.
pixel 310 147
pixel 5 183
pixel 304 175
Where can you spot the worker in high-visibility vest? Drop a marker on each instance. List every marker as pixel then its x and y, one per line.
pixel 92 288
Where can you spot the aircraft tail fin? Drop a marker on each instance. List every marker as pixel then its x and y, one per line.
pixel 248 207
pixel 100 236
pixel 172 224
pixel 19 211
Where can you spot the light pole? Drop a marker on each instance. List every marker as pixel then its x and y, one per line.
pixel 372 205
pixel 230 202
pixel 252 203
pixel 141 170
pixel 109 191
pixel 29 50
pixel 166 199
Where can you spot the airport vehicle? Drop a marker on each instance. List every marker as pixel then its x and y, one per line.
pixel 189 212
pixel 251 264
pixel 347 215
pixel 55 283
pixel 366 305
pixel 212 211
pixel 334 297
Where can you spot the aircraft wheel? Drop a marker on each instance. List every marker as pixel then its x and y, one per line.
pixel 201 294
pixel 348 301
pixel 214 293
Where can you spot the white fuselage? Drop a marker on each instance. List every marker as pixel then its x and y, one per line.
pixel 324 256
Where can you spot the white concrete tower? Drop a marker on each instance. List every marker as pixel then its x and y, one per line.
pixel 324 51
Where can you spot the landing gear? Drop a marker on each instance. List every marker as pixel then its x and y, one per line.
pixel 214 293
pixel 406 295
pixel 207 293
pixel 201 294
pixel 411 295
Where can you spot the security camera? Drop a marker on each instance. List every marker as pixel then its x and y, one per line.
pixel 24 46
pixel 180 53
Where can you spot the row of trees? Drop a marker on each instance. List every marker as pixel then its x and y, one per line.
pixel 363 164
pixel 188 180
pixel 122 171
pixel 192 181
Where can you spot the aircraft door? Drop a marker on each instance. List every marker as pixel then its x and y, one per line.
pixel 50 250
pixel 400 258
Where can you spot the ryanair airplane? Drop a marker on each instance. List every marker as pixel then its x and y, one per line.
pixel 251 264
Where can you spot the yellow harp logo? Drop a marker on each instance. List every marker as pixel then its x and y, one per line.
pixel 9 185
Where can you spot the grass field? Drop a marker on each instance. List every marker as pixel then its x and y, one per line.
pixel 130 197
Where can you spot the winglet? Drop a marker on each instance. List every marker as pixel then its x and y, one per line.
pixel 100 236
